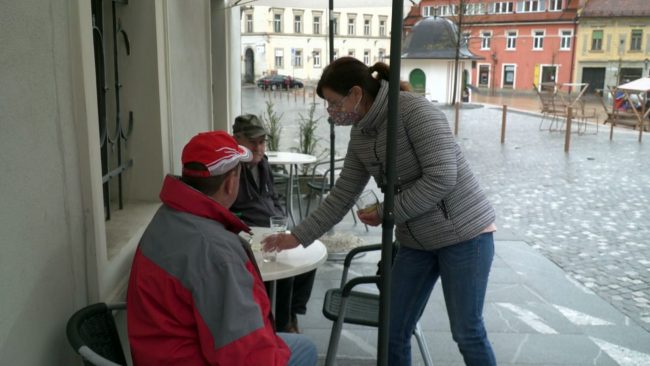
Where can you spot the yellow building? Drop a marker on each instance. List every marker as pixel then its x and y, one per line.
pixel 613 42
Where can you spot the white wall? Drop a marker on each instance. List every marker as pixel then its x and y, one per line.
pixel 41 219
pixel 439 77
pixel 53 249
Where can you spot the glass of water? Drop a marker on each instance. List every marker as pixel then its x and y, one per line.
pixel 278 224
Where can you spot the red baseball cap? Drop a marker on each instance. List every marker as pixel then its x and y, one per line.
pixel 216 150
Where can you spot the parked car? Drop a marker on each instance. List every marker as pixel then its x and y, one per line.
pixel 279 81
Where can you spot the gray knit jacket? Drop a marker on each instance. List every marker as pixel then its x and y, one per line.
pixel 438 201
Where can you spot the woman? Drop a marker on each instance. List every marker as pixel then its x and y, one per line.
pixel 444 222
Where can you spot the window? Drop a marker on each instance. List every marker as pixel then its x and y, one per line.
pixel 297 23
pixel 279 54
pixel 277 23
pixel 511 40
pixel 427 11
pixel 503 7
pixel 486 38
pixel 366 57
pixel 249 23
pixel 382 54
pixel 336 54
pixel 317 25
pixel 538 40
pixel 530 6
pixel 350 26
pixel 351 53
pixel 316 54
pixel 597 40
pixel 508 76
pixel 382 28
pixel 635 41
pixel 335 27
pixel 565 39
pixel 297 57
pixel 366 27
pixel 447 10
pixel 555 5
pixel 474 9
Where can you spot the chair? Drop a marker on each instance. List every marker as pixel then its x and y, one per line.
pixel 343 305
pixel 551 109
pixel 319 183
pixel 92 333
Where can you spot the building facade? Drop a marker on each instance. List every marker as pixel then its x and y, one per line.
pixel 294 40
pixel 613 42
pixel 522 43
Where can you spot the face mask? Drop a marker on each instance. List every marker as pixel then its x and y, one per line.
pixel 341 118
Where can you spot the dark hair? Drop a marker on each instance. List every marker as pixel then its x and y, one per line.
pixel 345 72
pixel 205 185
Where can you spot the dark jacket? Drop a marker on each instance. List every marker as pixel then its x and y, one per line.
pixel 255 204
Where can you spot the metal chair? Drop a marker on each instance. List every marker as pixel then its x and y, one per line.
pixel 92 333
pixel 319 184
pixel 343 305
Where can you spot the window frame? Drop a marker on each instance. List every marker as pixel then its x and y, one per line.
pixel 594 39
pixel 277 22
pixel 316 21
pixel 538 40
pixel 248 22
pixel 352 25
pixel 486 38
pixel 555 5
pixel 510 37
pixel 316 58
pixel 297 23
pixel 634 40
pixel 297 57
pixel 566 39
pixel 278 58
pixel 367 26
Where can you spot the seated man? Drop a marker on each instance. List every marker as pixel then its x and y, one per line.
pixel 255 204
pixel 195 294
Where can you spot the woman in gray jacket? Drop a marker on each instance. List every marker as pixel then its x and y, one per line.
pixel 444 222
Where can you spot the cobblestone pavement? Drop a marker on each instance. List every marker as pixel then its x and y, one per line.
pixel 588 210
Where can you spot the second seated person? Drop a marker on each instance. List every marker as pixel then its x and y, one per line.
pixel 255 204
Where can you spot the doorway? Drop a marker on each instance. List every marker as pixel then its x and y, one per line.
pixel 595 77
pixel 249 72
pixel 483 76
pixel 548 81
pixel 418 81
pixel 508 76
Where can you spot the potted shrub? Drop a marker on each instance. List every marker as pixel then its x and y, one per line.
pixel 272 124
pixel 309 143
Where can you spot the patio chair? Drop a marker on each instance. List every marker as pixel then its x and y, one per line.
pixel 92 333
pixel 343 305
pixel 551 109
pixel 319 183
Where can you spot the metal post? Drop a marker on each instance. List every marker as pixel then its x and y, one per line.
pixel 388 221
pixel 503 123
pixel 567 136
pixel 332 134
pixel 456 118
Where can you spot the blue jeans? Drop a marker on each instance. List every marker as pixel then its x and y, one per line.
pixel 463 269
pixel 303 350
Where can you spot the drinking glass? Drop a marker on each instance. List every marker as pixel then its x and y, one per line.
pixel 278 224
pixel 367 202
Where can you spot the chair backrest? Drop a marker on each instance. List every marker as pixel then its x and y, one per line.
pixel 93 334
pixel 322 168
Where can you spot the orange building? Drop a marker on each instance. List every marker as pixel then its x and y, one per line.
pixel 523 43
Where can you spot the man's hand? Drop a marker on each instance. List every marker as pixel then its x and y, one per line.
pixel 279 242
pixel 369 217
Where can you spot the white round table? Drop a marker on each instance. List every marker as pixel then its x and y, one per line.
pixel 289 263
pixel 292 159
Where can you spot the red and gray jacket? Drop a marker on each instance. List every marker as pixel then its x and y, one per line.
pixel 195 295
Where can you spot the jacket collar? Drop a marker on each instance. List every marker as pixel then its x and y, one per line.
pixel 377 114
pixel 182 197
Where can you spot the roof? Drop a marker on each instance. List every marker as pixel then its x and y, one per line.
pixel 616 8
pixel 638 85
pixel 434 38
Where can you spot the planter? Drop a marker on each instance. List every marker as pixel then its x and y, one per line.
pixel 339 244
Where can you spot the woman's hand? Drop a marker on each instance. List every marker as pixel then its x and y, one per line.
pixel 279 242
pixel 369 217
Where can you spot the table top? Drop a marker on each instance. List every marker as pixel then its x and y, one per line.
pixel 287 157
pixel 290 262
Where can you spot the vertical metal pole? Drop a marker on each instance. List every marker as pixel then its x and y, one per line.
pixel 117 107
pixel 332 134
pixel 567 136
pixel 456 117
pixel 391 150
pixel 503 123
